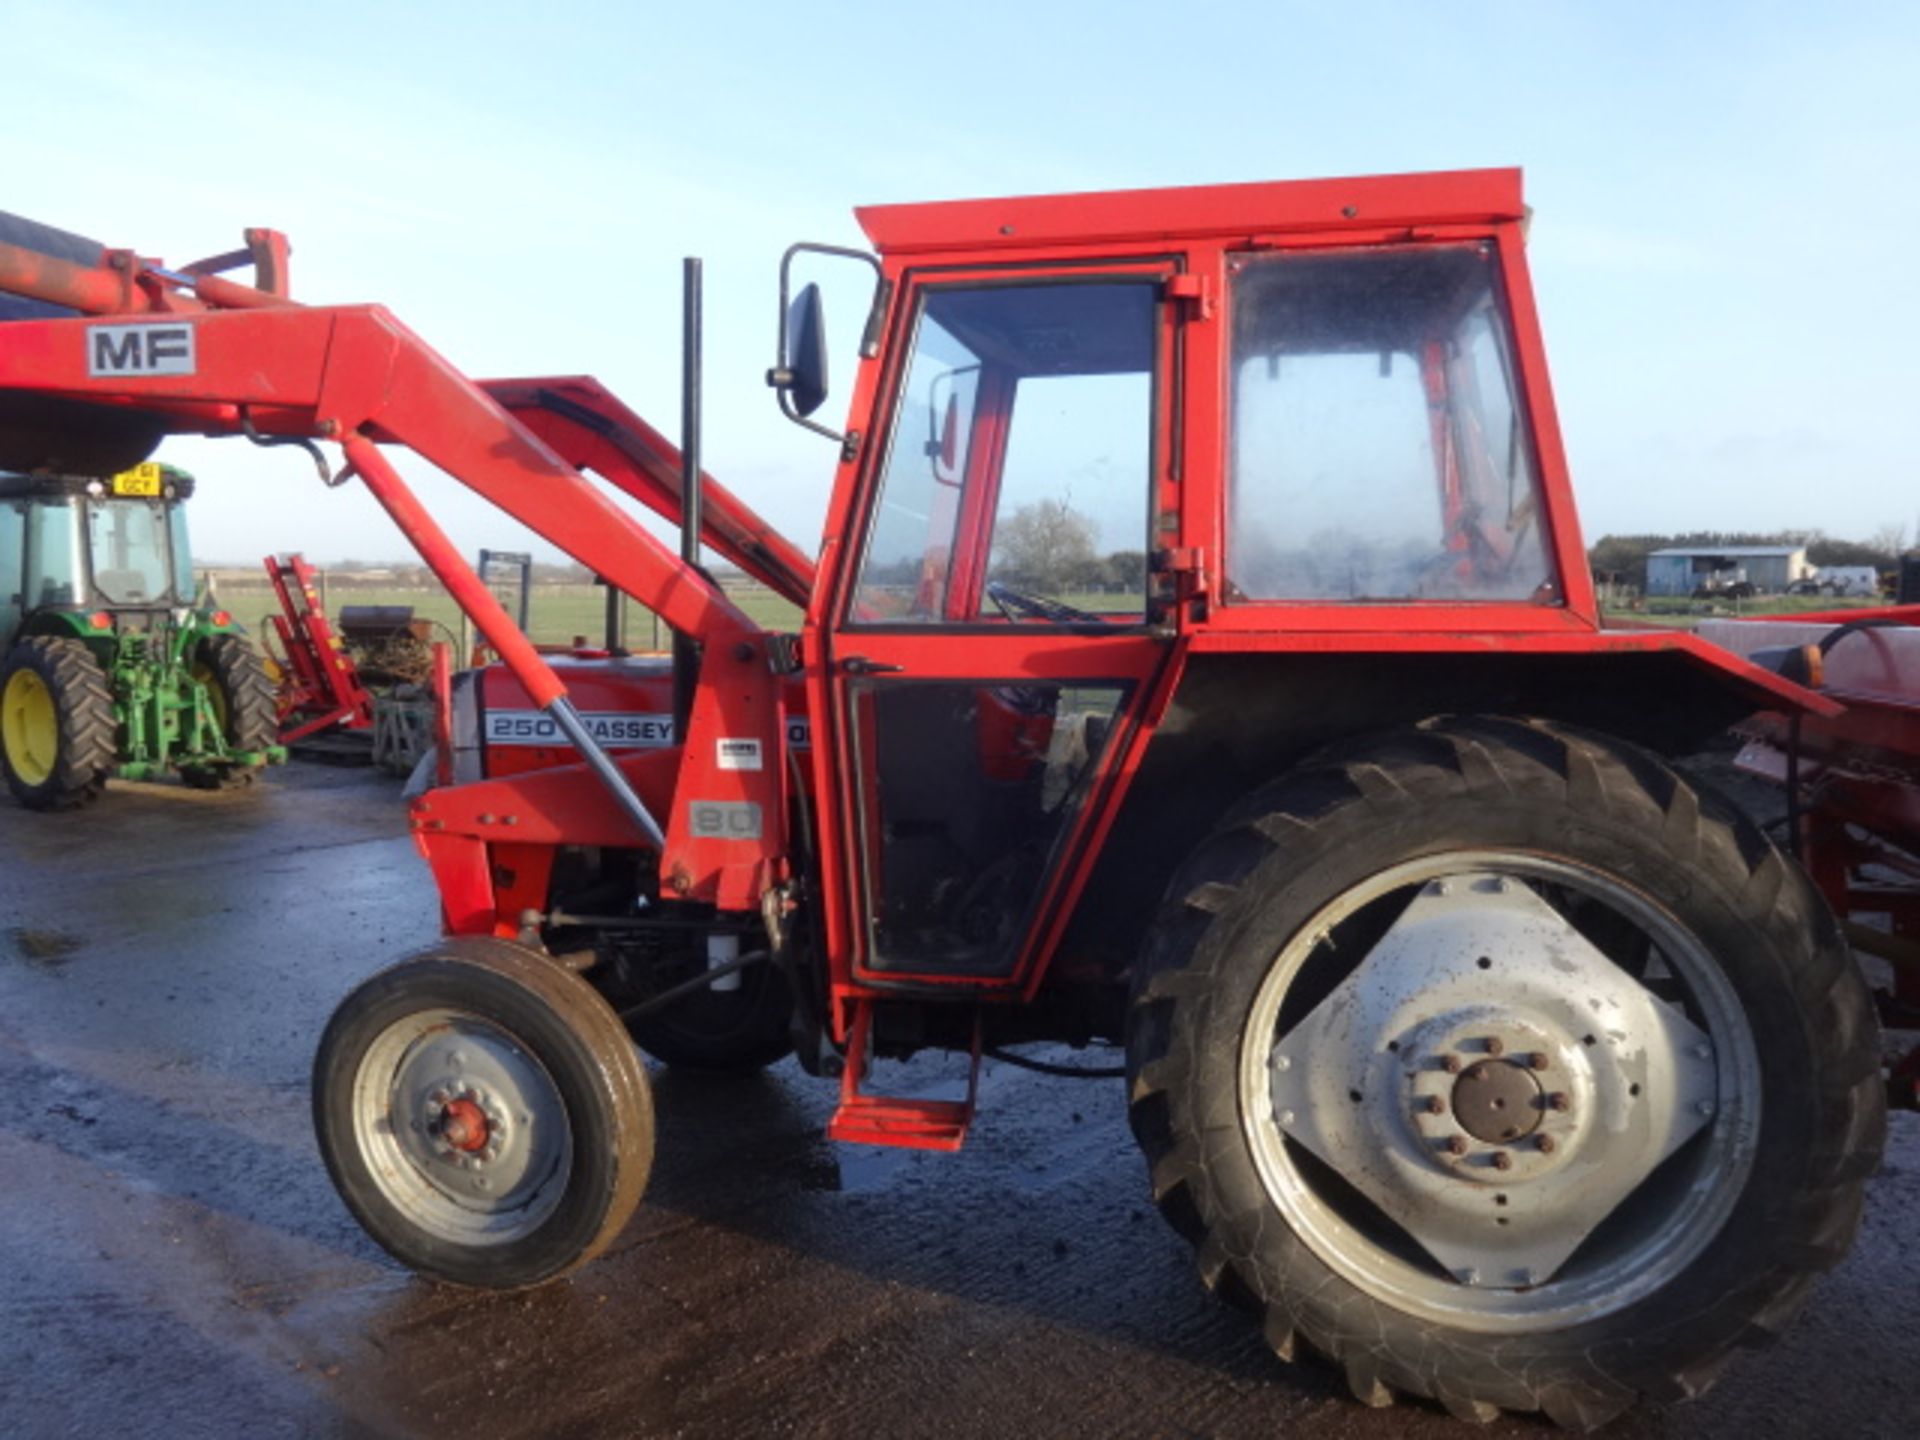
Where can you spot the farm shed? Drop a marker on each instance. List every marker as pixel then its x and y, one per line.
pixel 1769 569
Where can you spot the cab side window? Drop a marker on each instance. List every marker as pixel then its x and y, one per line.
pixel 1016 481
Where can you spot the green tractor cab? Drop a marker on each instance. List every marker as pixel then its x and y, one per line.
pixel 110 668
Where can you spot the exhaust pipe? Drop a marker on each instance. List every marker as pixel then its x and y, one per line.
pixel 686 653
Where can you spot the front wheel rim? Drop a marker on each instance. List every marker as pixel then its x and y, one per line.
pixel 1353 1121
pixel 462 1129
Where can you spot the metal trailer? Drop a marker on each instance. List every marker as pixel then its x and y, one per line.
pixel 1470 1044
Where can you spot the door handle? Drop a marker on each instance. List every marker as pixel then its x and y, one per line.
pixel 860 665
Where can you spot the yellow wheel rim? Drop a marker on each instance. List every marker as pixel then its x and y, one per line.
pixel 216 693
pixel 30 727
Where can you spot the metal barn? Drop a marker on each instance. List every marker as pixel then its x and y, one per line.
pixel 1684 570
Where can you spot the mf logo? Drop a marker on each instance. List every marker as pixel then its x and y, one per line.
pixel 140 350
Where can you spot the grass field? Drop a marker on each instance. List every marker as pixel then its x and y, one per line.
pixel 558 612
pixel 1684 613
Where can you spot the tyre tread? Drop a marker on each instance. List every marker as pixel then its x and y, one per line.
pixel 89 732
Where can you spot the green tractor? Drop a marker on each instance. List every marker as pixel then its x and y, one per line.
pixel 110 668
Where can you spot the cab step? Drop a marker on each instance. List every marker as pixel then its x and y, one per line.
pixel 903 1122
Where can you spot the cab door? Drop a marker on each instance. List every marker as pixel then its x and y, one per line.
pixel 991 646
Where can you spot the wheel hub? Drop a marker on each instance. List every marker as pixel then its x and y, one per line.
pixel 463 1125
pixel 1498 1102
pixel 1494 1095
pixel 1491 1081
pixel 466 1131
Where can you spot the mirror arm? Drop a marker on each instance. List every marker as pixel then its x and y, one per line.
pixel 781 378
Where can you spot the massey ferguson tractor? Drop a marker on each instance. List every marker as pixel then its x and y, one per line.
pixel 1201 657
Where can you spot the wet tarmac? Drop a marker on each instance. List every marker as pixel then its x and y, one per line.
pixel 173 1261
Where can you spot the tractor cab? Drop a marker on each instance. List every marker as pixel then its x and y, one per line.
pixel 93 547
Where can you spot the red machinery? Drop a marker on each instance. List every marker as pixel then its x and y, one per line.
pixel 1853 784
pixel 322 688
pixel 1465 1038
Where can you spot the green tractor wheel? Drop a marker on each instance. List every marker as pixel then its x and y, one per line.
pixel 242 699
pixel 56 724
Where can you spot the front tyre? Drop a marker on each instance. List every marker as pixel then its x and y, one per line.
pixel 1506 1069
pixel 483 1114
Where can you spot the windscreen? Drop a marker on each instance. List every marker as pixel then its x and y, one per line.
pixel 1379 446
pixel 127 545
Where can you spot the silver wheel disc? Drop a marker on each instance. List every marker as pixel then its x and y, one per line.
pixel 463 1130
pixel 1500 1090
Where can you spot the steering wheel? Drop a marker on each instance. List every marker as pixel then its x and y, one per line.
pixel 1014 603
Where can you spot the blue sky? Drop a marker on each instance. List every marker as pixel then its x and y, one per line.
pixel 1725 198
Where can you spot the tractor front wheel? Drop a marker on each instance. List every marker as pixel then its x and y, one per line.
pixel 243 706
pixel 484 1115
pixel 1504 1067
pixel 56 724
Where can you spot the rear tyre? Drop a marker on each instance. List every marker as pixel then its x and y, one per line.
pixel 57 726
pixel 483 1114
pixel 243 703
pixel 1506 1069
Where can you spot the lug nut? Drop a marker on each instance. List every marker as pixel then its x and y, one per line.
pixel 1450 1064
pixel 1547 1144
pixel 1537 1060
pixel 1436 1106
pixel 1502 1160
pixel 1457 1145
pixel 1496 1046
pixel 1558 1101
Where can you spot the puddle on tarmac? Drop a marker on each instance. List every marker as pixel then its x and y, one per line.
pixel 44 949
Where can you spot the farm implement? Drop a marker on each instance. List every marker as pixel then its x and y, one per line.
pixel 1852 783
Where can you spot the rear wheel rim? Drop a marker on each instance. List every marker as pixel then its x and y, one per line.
pixel 30 727
pixel 462 1129
pixel 1640 1254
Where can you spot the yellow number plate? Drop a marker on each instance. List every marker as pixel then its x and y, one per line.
pixel 140 480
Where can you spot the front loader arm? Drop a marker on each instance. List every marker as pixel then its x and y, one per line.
pixel 593 430
pixel 355 375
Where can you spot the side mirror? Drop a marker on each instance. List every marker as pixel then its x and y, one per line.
pixel 805 360
pixel 799 376
pixel 950 437
pixel 943 425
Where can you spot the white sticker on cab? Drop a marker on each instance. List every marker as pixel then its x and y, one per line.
pixel 737 754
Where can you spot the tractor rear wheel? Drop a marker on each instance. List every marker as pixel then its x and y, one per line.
pixel 243 703
pixel 1505 1068
pixel 56 724
pixel 483 1114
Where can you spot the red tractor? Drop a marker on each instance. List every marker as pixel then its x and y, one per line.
pixel 1202 658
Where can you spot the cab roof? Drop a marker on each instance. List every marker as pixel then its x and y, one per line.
pixel 1444 197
